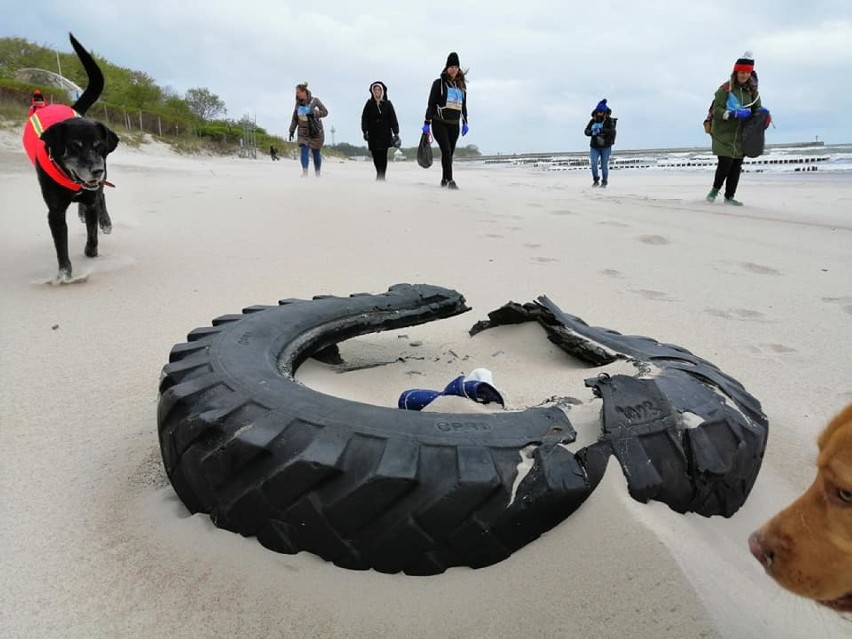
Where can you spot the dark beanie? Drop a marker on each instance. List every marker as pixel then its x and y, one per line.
pixel 602 106
pixel 453 60
pixel 745 62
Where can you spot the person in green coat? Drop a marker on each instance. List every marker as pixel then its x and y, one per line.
pixel 733 104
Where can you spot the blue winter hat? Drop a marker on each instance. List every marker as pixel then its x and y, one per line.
pixel 602 106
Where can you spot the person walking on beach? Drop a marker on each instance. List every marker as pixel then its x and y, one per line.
pixel 306 118
pixel 273 153
pixel 380 127
pixel 601 131
pixel 36 102
pixel 734 103
pixel 446 110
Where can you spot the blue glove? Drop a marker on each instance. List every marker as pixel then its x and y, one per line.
pixel 426 129
pixel 465 128
pixel 596 128
pixel 741 114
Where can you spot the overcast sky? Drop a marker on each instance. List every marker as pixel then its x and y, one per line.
pixel 536 68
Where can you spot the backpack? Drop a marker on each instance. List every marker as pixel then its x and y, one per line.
pixel 708 121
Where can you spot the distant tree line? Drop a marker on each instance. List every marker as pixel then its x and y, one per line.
pixel 130 98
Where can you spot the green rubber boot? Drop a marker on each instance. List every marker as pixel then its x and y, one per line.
pixel 732 201
pixel 711 196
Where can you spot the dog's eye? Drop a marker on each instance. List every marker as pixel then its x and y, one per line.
pixel 844 495
pixel 76 145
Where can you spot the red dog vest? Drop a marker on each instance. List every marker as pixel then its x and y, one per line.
pixel 38 123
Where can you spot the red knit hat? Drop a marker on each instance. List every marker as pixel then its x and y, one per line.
pixel 745 62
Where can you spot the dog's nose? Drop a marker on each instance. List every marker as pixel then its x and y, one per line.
pixel 763 553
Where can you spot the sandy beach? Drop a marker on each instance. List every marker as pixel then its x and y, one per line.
pixel 95 541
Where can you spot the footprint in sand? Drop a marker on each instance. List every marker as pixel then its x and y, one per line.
pixel 534 205
pixel 544 260
pixel 563 212
pixel 655 296
pixel 532 245
pixel 845 302
pixel 654 240
pixel 495 236
pixel 613 223
pixel 611 272
pixel 758 269
pixel 740 314
pixel 772 349
pixel 777 353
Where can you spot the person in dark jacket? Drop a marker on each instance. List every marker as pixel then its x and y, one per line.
pixel 447 109
pixel 380 127
pixel 601 131
pixel 734 103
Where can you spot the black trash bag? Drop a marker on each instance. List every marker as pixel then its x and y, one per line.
pixel 754 137
pixel 424 151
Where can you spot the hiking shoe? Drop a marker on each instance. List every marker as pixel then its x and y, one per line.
pixel 732 201
pixel 443 183
pixel 711 196
pixel 603 184
pixel 452 185
pixel 596 182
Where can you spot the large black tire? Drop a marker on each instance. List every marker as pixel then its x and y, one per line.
pixel 371 487
pixel 359 485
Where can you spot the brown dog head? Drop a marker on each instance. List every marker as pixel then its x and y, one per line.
pixel 807 547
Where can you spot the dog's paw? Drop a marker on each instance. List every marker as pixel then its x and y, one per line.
pixel 90 251
pixel 105 222
pixel 67 277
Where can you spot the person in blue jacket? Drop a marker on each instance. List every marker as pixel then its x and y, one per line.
pixel 446 110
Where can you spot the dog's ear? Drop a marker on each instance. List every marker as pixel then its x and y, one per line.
pixel 109 137
pixel 54 139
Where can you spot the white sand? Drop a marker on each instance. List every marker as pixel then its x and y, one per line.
pixel 95 542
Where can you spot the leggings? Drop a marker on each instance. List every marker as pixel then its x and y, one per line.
pixel 316 154
pixel 446 136
pixel 380 161
pixel 728 173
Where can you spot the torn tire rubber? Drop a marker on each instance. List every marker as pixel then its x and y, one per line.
pixel 685 433
pixel 359 485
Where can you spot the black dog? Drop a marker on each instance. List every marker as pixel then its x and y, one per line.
pixel 69 153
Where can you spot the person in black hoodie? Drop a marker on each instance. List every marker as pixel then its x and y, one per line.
pixel 447 109
pixel 380 127
pixel 601 130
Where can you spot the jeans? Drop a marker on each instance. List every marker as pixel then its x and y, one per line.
pixel 601 155
pixel 728 173
pixel 446 135
pixel 316 154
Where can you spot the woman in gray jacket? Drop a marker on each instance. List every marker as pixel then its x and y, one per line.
pixel 306 118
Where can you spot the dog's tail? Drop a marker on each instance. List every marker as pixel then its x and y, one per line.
pixel 96 78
